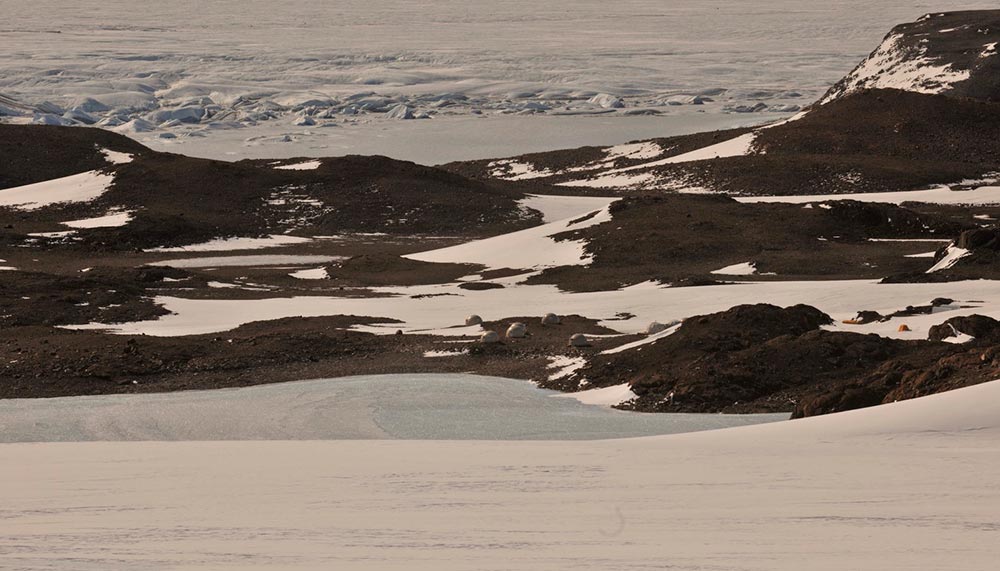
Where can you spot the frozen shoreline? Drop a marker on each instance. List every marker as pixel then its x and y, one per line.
pixel 381 407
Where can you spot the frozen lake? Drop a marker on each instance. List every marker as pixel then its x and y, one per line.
pixel 397 407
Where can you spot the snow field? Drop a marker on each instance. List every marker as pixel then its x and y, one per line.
pixel 840 491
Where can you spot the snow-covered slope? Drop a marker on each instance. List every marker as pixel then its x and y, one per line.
pixel 903 486
pixel 950 53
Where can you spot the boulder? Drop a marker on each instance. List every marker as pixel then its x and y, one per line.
pixel 490 337
pixel 473 320
pixel 579 340
pixel 977 326
pixel 979 239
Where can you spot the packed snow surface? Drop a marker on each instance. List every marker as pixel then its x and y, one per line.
pixel 744 269
pixel 111 220
pixel 532 248
pixel 82 187
pixel 248 261
pixel 236 243
pixel 606 396
pixel 983 195
pixel 319 273
pixel 902 486
pixel 303 166
pixel 116 157
pixel 951 257
pixel 555 208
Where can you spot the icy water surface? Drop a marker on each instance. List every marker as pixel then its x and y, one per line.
pixel 423 407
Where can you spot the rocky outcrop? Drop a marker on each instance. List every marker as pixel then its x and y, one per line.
pixel 950 53
pixel 975 326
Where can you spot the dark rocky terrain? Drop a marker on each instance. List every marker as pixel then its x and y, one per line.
pixel 755 358
pixel 679 238
pixel 180 200
pixel 361 215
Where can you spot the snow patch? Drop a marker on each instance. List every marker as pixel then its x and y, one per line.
pixel 110 220
pixel 893 67
pixel 441 354
pixel 237 243
pixel 82 187
pixel 981 196
pixel 744 269
pixel 511 169
pixel 532 248
pixel 248 261
pixel 735 147
pixel 565 366
pixel 304 166
pixel 606 396
pixel 320 273
pixel 634 151
pixel 645 341
pixel 116 158
pixel 951 257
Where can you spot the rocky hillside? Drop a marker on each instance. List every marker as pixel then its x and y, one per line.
pixel 922 110
pixel 950 53
pixel 108 192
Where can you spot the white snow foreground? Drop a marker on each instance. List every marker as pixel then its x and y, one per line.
pixel 901 486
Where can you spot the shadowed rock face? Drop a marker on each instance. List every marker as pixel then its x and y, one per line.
pixel 952 53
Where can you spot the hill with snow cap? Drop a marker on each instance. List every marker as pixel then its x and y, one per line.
pixel 953 53
pixel 922 110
